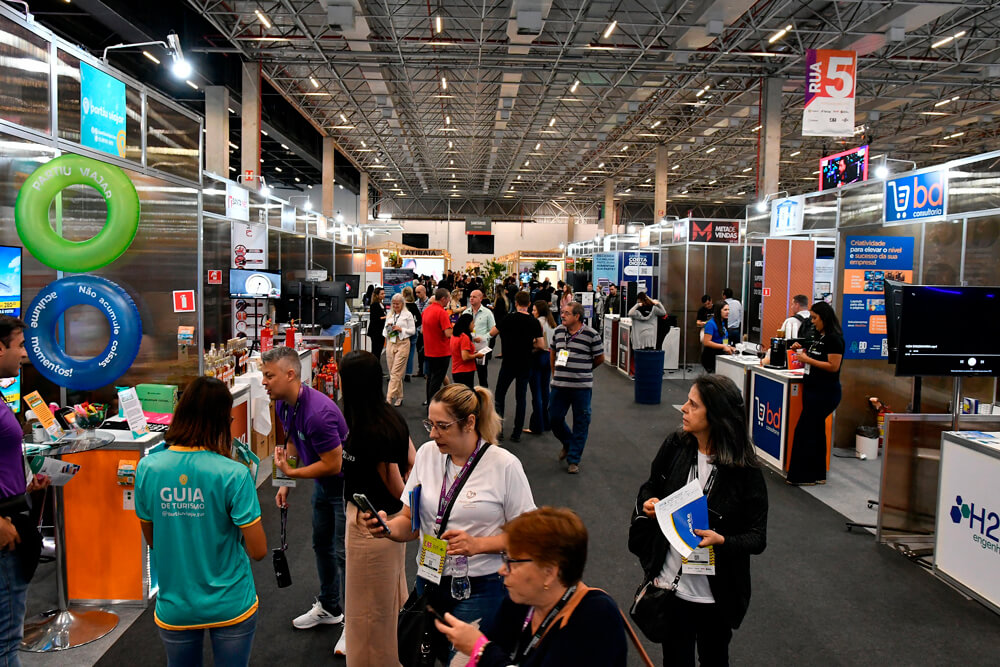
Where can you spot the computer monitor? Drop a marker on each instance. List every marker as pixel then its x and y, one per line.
pixel 252 284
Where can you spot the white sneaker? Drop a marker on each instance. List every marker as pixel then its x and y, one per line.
pixel 317 616
pixel 341 647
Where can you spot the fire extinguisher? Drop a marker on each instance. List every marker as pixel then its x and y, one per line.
pixel 881 410
pixel 335 372
pixel 290 335
pixel 266 337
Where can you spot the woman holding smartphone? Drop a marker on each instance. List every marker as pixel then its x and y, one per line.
pixel 376 461
pixel 485 487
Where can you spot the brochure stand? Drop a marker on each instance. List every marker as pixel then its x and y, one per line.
pixel 67 626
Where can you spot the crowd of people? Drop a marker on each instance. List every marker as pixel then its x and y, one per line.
pixel 502 578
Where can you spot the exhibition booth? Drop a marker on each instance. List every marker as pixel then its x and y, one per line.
pixel 524 264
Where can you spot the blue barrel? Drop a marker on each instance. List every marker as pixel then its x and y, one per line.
pixel 648 376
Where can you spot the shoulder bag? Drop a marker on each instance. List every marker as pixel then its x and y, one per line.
pixel 418 642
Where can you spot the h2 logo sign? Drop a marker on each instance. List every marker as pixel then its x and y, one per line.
pixel 916 197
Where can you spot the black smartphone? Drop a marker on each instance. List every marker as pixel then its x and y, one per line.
pixel 434 612
pixel 361 500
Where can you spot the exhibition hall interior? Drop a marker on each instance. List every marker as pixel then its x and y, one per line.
pixel 697 296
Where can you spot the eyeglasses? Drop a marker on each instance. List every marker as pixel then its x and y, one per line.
pixel 441 426
pixel 507 560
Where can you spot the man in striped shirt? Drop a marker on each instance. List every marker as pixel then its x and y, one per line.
pixel 575 352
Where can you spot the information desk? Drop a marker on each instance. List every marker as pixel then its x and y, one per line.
pixel 737 367
pixel 775 406
pixel 967 535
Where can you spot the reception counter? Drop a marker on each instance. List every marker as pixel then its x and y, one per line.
pixel 737 367
pixel 967 534
pixel 775 406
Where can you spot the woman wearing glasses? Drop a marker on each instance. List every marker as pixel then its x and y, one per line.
pixel 705 597
pixel 483 485
pixel 551 617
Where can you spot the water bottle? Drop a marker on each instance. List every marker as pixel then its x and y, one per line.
pixel 461 587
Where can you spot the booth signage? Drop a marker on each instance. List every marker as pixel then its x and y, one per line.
pixel 10 304
pixel 479 227
pixel 917 197
pixel 249 241
pixel 394 280
pixel 637 264
pixel 714 231
pixel 680 232
pixel 605 268
pixel 786 216
pixel 237 202
pixel 184 301
pixel 765 417
pixel 829 95
pixel 868 262
pixel 967 544
pixel 102 111
pixel 287 218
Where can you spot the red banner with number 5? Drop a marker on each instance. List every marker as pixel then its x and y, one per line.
pixel 829 103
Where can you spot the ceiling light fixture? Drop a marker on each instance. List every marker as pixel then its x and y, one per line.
pixel 747 169
pixel 363 144
pixel 552 121
pixel 437 24
pixel 344 118
pixel 941 42
pixel 610 29
pixel 675 167
pixel 263 18
pixel 794 154
pixel 584 178
pixel 447 120
pixel 778 35
pixel 314 82
pixel 538 145
pixel 600 166
pixel 656 124
pixel 192 84
pixel 444 83
pixel 710 150
pixel 151 57
pixel 576 84
pixel 648 180
pixel 451 145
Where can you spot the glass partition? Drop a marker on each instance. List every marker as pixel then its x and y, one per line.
pixel 24 77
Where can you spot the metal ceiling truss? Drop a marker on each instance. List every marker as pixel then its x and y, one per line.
pixel 486 115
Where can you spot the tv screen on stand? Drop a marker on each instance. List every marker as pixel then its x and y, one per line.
pixel 251 284
pixel 843 168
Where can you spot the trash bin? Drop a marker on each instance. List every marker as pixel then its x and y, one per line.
pixel 866 442
pixel 648 376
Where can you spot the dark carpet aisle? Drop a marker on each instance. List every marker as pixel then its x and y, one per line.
pixel 820 595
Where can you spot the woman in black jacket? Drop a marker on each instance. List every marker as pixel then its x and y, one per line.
pixel 376 322
pixel 708 601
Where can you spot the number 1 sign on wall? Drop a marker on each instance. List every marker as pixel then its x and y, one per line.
pixel 829 100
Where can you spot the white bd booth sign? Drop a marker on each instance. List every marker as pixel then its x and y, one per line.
pixel 967 536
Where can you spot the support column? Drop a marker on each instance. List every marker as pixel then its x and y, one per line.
pixel 609 206
pixel 217 130
pixel 250 127
pixel 660 179
pixel 363 200
pixel 327 184
pixel 771 137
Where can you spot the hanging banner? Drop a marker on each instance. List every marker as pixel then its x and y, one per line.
pixel 868 262
pixel 829 95
pixel 249 243
pixel 102 111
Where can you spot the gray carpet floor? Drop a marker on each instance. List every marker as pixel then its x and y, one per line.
pixel 821 595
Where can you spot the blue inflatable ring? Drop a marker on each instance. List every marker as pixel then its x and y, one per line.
pixel 52 362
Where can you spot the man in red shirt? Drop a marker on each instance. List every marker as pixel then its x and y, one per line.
pixel 436 324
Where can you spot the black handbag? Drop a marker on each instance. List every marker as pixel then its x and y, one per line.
pixel 652 610
pixel 418 642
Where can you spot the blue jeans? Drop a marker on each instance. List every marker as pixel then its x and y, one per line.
pixel 231 645
pixel 329 520
pixel 13 599
pixel 561 400
pixel 487 593
pixel 539 383
pixel 409 360
pixel 509 373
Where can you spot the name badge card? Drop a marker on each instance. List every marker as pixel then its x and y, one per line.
pixel 433 553
pixel 701 561
pixel 562 357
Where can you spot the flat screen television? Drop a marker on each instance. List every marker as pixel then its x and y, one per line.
pixel 843 168
pixel 353 281
pixel 250 284
pixel 933 338
pixel 893 309
pixel 480 244
pixel 417 240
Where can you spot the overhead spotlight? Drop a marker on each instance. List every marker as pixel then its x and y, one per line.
pixel 339 217
pixel 308 205
pixel 762 206
pixel 180 67
pixel 266 191
pixel 610 29
pixel 881 172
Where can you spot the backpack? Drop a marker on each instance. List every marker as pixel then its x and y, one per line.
pixel 806 329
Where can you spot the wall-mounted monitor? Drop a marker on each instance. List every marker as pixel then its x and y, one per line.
pixel 843 168
pixel 933 337
pixel 480 244
pixel 251 284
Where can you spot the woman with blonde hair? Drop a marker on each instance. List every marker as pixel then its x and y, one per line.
pixel 470 488
pixel 399 329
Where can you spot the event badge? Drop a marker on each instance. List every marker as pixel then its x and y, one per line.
pixel 433 553
pixel 279 478
pixel 562 357
pixel 701 561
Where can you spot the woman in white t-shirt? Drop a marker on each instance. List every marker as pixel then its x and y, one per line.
pixel 462 422
pixel 541 372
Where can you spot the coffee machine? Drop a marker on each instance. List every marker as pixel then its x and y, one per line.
pixel 778 357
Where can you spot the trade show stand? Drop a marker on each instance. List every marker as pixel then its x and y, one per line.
pixel 967 536
pixel 737 367
pixel 775 406
pixel 610 338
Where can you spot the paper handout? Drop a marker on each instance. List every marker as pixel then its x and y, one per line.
pixel 680 513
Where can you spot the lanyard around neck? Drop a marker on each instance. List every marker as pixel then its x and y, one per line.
pixel 447 493
pixel 518 655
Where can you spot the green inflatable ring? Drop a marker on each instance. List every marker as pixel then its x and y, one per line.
pixel 31 213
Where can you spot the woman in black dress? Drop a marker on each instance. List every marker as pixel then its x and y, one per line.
pixel 376 322
pixel 820 396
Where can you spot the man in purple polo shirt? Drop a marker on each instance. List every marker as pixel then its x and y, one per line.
pixel 315 431
pixel 13 582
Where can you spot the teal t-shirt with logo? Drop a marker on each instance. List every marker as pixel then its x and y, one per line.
pixel 198 501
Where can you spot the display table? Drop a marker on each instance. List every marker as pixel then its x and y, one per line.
pixel 967 534
pixel 775 406
pixel 737 367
